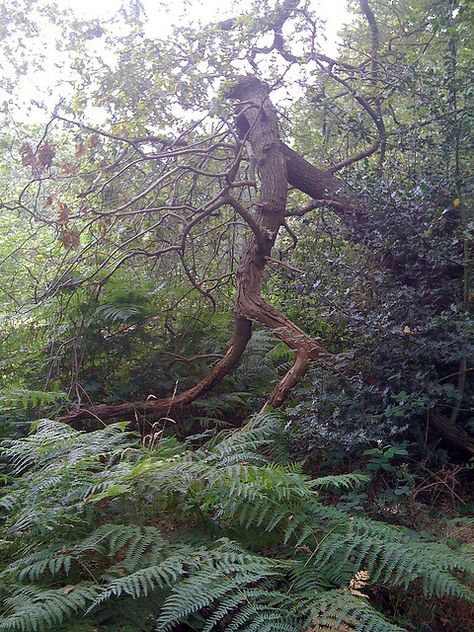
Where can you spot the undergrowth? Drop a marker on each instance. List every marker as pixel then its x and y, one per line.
pixel 101 533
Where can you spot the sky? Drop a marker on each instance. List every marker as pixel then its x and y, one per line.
pixel 334 12
pixel 161 16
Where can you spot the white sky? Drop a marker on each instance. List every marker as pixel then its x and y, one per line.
pixel 334 12
pixel 161 16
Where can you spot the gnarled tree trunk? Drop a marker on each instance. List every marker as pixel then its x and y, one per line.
pixel 275 161
pixel 278 166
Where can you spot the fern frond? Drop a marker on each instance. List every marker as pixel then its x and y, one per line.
pixel 217 577
pixel 340 481
pixel 24 398
pixel 146 580
pixel 40 610
pixel 339 608
pixel 152 527
pixel 33 566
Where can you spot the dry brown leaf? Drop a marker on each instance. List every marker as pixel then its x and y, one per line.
pixel 92 141
pixel 68 168
pixel 80 149
pixel 358 583
pixel 103 228
pixel 70 239
pixel 63 216
pixel 27 155
pixel 45 154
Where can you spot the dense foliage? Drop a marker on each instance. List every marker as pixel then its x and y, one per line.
pixel 148 253
pixel 105 533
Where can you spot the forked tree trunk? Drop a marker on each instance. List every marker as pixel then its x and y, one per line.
pixel 262 134
pixel 278 166
pixel 272 157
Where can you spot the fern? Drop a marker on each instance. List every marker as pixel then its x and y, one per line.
pixel 218 576
pixel 146 580
pixel 341 481
pixel 39 609
pixel 131 306
pixel 340 608
pixel 100 529
pixel 49 560
pixel 122 313
pixel 15 398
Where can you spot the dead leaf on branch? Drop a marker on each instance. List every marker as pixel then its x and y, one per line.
pixel 103 229
pixel 68 168
pixel 80 149
pixel 45 155
pixel 70 239
pixel 64 213
pixel 27 155
pixel 92 141
pixel 39 160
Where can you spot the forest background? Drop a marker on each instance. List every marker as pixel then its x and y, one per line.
pixel 236 295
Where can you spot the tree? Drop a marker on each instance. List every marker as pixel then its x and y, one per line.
pixel 173 165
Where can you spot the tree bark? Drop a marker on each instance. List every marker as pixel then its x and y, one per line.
pixel 320 185
pixel 453 433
